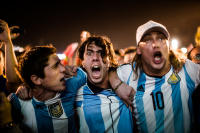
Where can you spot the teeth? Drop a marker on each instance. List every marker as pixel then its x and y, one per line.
pixel 95 66
pixel 157 58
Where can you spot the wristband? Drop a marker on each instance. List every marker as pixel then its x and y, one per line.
pixel 118 86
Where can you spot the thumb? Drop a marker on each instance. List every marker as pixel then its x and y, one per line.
pixel 30 94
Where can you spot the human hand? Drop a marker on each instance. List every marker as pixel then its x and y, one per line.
pixel 70 71
pixel 24 92
pixel 126 93
pixel 5 31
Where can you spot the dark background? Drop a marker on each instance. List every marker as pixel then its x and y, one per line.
pixel 60 23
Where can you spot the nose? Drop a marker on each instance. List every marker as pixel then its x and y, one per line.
pixel 155 44
pixel 62 68
pixel 96 56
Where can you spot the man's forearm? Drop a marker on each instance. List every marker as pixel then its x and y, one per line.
pixel 10 63
pixel 114 80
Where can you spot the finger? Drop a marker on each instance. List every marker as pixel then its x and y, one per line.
pixel 20 94
pixel 132 94
pixel 74 69
pixel 129 102
pixel 30 93
pixel 127 105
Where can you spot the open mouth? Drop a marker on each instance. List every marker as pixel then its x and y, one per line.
pixel 157 57
pixel 62 79
pixel 96 71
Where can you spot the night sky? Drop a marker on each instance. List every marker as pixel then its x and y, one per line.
pixel 60 23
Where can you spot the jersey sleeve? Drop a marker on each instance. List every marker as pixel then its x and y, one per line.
pixel 194 71
pixel 124 71
pixel 74 83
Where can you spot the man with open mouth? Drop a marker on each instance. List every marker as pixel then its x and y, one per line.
pixel 163 83
pixel 99 108
pixel 51 109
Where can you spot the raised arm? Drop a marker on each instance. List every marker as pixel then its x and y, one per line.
pixel 10 58
pixel 124 91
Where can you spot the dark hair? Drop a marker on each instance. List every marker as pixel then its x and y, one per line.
pixel 189 54
pixel 33 62
pixel 106 46
pixel 130 49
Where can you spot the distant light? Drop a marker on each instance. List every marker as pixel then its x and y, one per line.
pixel 61 56
pixel 174 44
pixel 18 48
pixel 184 50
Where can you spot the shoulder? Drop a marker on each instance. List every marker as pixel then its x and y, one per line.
pixel 193 70
pixel 191 66
pixel 125 67
pixel 81 71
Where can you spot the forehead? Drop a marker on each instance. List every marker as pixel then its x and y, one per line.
pixel 93 46
pixel 196 51
pixel 52 58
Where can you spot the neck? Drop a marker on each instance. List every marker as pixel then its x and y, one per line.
pixel 95 88
pixel 42 94
pixel 158 73
pixel 104 84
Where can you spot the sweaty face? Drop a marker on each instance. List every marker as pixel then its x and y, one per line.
pixel 54 75
pixel 154 51
pixel 195 55
pixel 97 70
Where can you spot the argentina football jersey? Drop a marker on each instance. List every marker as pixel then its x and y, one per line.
pixel 163 104
pixel 102 111
pixel 55 115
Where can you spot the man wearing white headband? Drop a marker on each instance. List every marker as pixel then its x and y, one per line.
pixel 163 83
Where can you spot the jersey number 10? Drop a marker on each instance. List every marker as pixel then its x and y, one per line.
pixel 157 98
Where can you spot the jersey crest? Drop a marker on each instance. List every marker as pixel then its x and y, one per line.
pixel 55 109
pixel 174 78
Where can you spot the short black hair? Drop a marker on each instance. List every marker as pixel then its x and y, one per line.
pixel 33 62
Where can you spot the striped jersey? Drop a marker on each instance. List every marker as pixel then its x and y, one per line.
pixel 163 104
pixel 55 115
pixel 102 112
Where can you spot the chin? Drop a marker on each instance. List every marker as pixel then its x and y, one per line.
pixel 96 81
pixel 61 89
pixel 158 66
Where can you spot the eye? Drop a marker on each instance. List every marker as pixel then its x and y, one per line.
pixel 56 65
pixel 147 40
pixel 89 52
pixel 161 38
pixel 197 56
pixel 100 52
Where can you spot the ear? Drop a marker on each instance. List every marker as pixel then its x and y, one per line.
pixel 83 63
pixel 138 51
pixel 36 80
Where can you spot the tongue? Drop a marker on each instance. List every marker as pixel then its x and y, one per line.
pixel 157 59
pixel 96 74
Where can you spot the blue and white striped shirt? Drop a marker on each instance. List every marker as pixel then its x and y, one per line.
pixel 55 115
pixel 159 105
pixel 102 112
